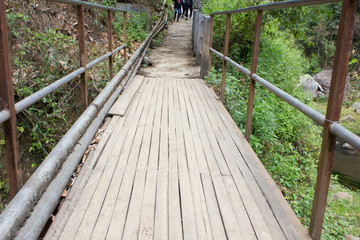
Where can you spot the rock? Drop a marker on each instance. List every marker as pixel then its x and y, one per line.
pixel 351 237
pixel 324 79
pixel 348 146
pixel 343 196
pixel 310 86
pixel 347 118
pixel 356 106
pixel 147 61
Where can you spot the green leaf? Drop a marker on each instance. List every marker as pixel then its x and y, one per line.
pixel 354 60
pixel 2 142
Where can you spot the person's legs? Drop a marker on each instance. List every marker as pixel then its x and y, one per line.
pixel 186 11
pixel 191 10
pixel 178 11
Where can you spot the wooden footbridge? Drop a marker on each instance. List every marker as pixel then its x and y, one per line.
pixel 171 163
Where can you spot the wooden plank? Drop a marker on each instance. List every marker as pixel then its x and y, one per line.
pixel 148 206
pixel 226 210
pixel 249 201
pixel 187 116
pixel 118 220
pixel 161 210
pixel 175 226
pixel 241 215
pixel 132 224
pixel 121 105
pixel 86 197
pixel 187 207
pixel 216 223
pixel 71 200
pixel 264 183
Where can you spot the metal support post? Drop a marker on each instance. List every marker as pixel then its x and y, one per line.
pixel 125 37
pixel 82 50
pixel 110 45
pixel 7 102
pixel 226 52
pixel 211 39
pixel 341 62
pixel 204 66
pixel 254 62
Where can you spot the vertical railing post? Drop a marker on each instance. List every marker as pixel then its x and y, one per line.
pixel 226 52
pixel 204 66
pixel 211 38
pixel 254 62
pixel 7 101
pixel 110 45
pixel 195 29
pixel 199 38
pixel 82 51
pixel 338 77
pixel 125 36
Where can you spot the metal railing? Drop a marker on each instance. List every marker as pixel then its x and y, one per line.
pixel 43 189
pixel 202 41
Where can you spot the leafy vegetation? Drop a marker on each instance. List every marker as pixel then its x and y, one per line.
pixel 44 47
pixel 293 42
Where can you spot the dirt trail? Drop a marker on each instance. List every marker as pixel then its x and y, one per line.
pixel 174 58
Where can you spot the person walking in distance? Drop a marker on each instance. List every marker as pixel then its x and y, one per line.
pixel 190 7
pixel 177 7
pixel 184 7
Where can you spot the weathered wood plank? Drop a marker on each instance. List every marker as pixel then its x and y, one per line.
pixel 187 118
pixel 161 210
pixel 175 224
pixel 122 104
pixel 118 220
pixel 132 224
pixel 259 181
pixel 249 201
pixel 187 208
pixel 227 213
pixel 146 229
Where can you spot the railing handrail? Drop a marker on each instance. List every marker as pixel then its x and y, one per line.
pixel 336 129
pixel 276 5
pixel 87 4
pixel 37 96
pixel 332 129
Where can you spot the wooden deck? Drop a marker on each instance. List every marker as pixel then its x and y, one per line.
pixel 174 165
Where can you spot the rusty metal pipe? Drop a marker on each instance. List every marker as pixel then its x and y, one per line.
pixel 276 5
pixel 30 100
pixel 7 102
pixel 254 61
pixel 226 51
pixel 87 4
pixel 337 85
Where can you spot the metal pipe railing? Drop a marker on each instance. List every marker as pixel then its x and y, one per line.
pixel 87 4
pixel 332 128
pixel 276 5
pixel 33 98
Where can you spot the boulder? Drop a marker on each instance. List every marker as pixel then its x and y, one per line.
pixel 310 86
pixel 343 196
pixel 348 146
pixel 324 79
pixel 356 107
